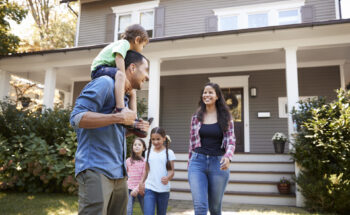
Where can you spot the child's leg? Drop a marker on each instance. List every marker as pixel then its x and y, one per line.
pixel 104 70
pixel 141 201
pixel 162 203
pixel 119 89
pixel 130 206
pixel 149 202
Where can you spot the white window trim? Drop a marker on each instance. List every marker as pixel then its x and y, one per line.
pixel 271 9
pixel 134 10
pixel 283 103
pixel 235 82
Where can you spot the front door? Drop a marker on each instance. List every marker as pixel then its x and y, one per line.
pixel 234 100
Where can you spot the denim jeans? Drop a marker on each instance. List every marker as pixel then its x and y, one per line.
pixel 154 198
pixel 207 183
pixel 104 70
pixel 131 202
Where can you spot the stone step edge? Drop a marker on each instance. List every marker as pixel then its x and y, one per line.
pixel 253 162
pixel 249 172
pixel 235 193
pixel 237 181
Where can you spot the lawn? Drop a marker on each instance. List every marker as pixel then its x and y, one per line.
pixel 41 204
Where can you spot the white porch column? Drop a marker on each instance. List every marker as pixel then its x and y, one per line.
pixel 293 97
pixel 4 84
pixel 49 87
pixel 154 91
pixel 67 99
pixel 345 69
pixel 292 85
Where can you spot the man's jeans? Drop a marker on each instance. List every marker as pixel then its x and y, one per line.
pixel 99 195
pixel 207 183
pixel 131 202
pixel 154 198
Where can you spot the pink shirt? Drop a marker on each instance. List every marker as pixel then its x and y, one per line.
pixel 135 172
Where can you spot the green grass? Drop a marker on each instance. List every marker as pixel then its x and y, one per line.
pixel 41 204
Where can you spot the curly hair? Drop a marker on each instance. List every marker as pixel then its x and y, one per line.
pixel 223 113
pixel 133 31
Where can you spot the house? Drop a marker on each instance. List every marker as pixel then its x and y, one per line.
pixel 265 54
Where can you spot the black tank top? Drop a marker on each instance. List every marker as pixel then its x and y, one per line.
pixel 211 140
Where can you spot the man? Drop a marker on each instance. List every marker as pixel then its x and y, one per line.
pixel 100 157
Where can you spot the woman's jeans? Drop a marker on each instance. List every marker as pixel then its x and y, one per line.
pixel 154 198
pixel 131 202
pixel 207 183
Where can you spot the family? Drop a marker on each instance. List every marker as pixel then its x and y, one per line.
pixel 105 113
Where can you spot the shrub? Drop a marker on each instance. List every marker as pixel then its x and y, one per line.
pixel 37 150
pixel 322 149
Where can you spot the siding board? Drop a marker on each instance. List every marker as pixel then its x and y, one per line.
pixel 180 95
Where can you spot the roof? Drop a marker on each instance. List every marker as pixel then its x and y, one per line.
pixel 199 35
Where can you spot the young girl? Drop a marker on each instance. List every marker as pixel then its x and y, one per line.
pixel 135 166
pixel 159 171
pixel 111 59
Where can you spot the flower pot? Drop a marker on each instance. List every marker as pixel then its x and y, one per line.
pixel 283 188
pixel 279 146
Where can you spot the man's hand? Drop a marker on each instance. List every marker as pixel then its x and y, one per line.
pixel 142 125
pixel 129 116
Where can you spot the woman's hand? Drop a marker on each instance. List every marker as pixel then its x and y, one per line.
pixel 225 163
pixel 165 180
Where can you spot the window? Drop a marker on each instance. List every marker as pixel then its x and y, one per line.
pixel 139 13
pixel 257 20
pixel 288 17
pixel 259 15
pixel 123 22
pixel 228 23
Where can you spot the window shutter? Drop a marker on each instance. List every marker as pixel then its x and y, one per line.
pixel 212 23
pixel 159 22
pixel 110 25
pixel 307 14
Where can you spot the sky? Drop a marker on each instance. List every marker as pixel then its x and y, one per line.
pixel 24 30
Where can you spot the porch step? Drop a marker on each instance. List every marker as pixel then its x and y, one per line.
pixel 242 197
pixel 250 165
pixel 253 179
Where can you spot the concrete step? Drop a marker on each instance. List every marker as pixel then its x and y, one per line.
pixel 250 165
pixel 248 175
pixel 236 186
pixel 249 157
pixel 242 197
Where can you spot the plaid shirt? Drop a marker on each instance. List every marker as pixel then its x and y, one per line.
pixel 228 141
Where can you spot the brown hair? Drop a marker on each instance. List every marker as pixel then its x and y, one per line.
pixel 161 132
pixel 133 156
pixel 133 31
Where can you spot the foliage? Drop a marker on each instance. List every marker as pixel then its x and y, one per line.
pixel 54 26
pixel 9 11
pixel 279 137
pixel 283 180
pixel 322 149
pixel 37 150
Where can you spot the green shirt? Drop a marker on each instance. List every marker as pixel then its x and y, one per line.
pixel 108 53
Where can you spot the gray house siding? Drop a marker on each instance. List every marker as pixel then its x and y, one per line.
pixel 94 18
pixel 179 103
pixel 181 16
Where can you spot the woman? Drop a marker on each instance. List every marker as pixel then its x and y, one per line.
pixel 212 143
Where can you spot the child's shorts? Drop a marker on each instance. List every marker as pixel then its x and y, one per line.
pixel 104 70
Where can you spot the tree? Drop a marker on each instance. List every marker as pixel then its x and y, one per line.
pixel 9 11
pixel 54 26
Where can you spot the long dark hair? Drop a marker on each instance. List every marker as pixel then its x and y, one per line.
pixel 161 132
pixel 133 156
pixel 223 113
